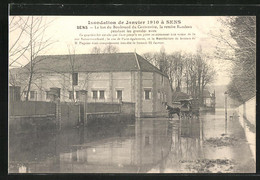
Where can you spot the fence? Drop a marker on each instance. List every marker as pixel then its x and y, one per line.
pixel 31 108
pixel 95 108
pixel 31 116
pixel 247 120
pixel 69 114
pixel 64 114
pixel 128 108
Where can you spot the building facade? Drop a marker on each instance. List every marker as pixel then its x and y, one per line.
pixel 107 78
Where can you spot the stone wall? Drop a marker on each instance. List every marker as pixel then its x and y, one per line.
pixel 247 119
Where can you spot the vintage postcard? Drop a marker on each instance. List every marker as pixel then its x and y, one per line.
pixel 132 94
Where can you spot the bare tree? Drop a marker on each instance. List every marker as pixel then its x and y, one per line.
pixel 74 66
pixel 238 37
pixel 71 58
pixel 96 50
pixel 35 32
pixel 110 49
pixel 163 60
pixel 17 27
pixel 175 69
pixel 182 68
pixel 207 76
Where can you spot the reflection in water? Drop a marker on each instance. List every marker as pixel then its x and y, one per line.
pixel 109 147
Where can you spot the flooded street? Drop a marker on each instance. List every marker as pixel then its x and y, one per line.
pixel 153 145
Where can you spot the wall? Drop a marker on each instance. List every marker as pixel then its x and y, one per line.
pixel 107 81
pixel 131 83
pixel 69 114
pixel 248 110
pixel 31 116
pixel 147 83
pixel 14 93
pixel 247 119
pixel 128 108
pixel 122 81
pixel 160 93
pixel 102 107
pixel 31 108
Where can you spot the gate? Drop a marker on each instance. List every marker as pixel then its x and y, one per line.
pixel 82 114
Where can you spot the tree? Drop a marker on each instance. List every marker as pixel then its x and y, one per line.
pixel 73 72
pixel 34 32
pixel 71 58
pixel 17 27
pixel 152 58
pixel 162 61
pixel 207 76
pixel 175 73
pixel 193 70
pixel 96 50
pixel 239 41
pixel 110 49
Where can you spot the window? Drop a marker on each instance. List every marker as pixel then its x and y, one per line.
pixel 94 94
pixel 147 94
pixel 75 79
pixel 48 96
pixel 101 94
pixel 71 94
pixel 119 94
pixel 32 94
pixel 77 94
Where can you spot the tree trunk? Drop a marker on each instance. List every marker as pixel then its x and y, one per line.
pixel 31 59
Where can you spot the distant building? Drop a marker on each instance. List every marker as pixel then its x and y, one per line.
pixel 177 96
pixel 106 78
pixel 209 99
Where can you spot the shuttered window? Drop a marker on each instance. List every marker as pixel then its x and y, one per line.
pixel 48 95
pixel 94 94
pixel 70 94
pixel 32 94
pixel 101 94
pixel 119 94
pixel 75 79
pixel 147 94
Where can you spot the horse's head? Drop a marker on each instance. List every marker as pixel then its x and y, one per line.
pixel 167 107
pixel 165 104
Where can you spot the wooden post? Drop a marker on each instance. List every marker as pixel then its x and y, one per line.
pixel 83 100
pixel 225 112
pixel 54 93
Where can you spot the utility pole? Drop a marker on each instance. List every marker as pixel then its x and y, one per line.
pixel 226 111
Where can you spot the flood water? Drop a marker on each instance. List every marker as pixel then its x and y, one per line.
pixel 153 145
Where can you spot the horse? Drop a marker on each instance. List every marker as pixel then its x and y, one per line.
pixel 172 110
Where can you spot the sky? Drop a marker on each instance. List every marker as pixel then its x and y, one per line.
pixel 63 31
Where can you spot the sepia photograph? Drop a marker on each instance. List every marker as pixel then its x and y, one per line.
pixel 132 94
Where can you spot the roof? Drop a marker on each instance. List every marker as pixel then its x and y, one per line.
pixel 178 96
pixel 93 63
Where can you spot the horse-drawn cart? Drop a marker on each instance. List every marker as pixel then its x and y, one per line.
pixel 184 108
pixel 189 108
